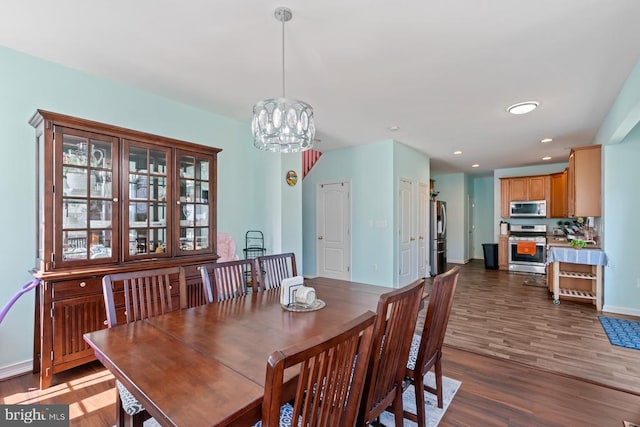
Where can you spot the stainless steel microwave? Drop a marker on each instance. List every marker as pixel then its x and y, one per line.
pixel 529 208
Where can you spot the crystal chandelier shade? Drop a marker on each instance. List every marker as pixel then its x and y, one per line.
pixel 283 125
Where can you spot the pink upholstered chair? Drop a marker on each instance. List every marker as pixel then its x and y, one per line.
pixel 226 248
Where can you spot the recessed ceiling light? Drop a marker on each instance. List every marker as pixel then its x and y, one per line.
pixel 475 166
pixel 523 107
pixel 544 141
pixel 546 158
pixel 394 128
pixel 457 152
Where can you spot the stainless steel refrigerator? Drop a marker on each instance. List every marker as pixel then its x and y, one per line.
pixel 438 246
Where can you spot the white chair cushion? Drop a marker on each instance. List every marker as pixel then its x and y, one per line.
pixel 129 403
pixel 286 414
pixel 413 352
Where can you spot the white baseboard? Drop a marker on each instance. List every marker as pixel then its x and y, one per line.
pixel 457 261
pixel 14 370
pixel 620 310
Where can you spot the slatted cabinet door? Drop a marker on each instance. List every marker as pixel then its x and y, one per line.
pixel 72 318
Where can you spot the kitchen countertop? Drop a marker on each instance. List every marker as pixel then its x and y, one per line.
pixel 564 243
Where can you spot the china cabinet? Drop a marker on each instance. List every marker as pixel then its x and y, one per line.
pixel 111 199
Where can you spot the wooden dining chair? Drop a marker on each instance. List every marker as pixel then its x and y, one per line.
pixel 271 269
pixel 224 280
pixel 333 366
pixel 396 318
pixel 426 349
pixel 147 294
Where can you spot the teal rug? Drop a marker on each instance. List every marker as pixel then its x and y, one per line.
pixel 622 332
pixel 434 414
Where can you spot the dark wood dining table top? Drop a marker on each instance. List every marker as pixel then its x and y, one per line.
pixel 206 365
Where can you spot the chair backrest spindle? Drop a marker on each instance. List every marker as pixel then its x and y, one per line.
pixel 396 318
pixel 271 269
pixel 147 293
pixel 333 366
pixel 224 280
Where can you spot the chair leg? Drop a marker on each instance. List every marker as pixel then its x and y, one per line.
pixel 438 372
pixel 126 420
pixel 420 410
pixel 122 416
pixel 398 409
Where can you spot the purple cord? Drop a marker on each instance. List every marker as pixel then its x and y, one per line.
pixel 25 288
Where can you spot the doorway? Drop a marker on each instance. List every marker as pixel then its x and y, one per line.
pixel 334 230
pixel 405 233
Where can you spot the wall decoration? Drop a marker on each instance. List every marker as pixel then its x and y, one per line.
pixel 292 178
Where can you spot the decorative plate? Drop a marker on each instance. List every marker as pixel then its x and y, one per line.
pixel 316 305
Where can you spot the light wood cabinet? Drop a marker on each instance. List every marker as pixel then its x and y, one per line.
pixel 110 200
pixel 584 186
pixel 528 188
pixel 519 189
pixel 538 187
pixel 503 252
pixel 523 188
pixel 505 197
pixel 558 196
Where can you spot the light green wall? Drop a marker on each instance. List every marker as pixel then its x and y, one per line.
pixel 625 112
pixel 453 190
pixel 621 235
pixel 373 171
pixel 413 166
pixel 246 183
pixel 482 214
pixel 621 176
pixel 291 212
pixel 368 169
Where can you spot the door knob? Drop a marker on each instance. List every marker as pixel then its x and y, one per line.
pixel 412 239
pixel 421 238
pixel 319 237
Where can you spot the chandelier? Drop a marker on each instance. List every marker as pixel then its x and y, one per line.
pixel 283 125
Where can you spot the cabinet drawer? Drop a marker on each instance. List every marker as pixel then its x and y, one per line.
pixel 77 288
pixel 191 271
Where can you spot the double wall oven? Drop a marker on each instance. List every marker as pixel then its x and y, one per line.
pixel 527 248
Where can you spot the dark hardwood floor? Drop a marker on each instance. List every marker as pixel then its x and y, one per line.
pixel 522 361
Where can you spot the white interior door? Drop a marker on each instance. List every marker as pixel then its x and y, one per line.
pixel 334 230
pixel 405 233
pixel 423 229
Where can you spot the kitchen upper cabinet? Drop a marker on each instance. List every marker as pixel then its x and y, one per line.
pixel 584 186
pixel 558 196
pixel 528 188
pixel 519 189
pixel 505 197
pixel 538 187
pixel 522 188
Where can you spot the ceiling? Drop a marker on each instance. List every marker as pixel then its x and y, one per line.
pixel 444 71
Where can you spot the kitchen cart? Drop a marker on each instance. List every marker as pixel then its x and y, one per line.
pixel 563 258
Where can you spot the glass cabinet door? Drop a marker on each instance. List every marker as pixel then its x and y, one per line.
pixel 147 200
pixel 85 187
pixel 193 208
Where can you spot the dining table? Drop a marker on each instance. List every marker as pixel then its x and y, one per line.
pixel 206 365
